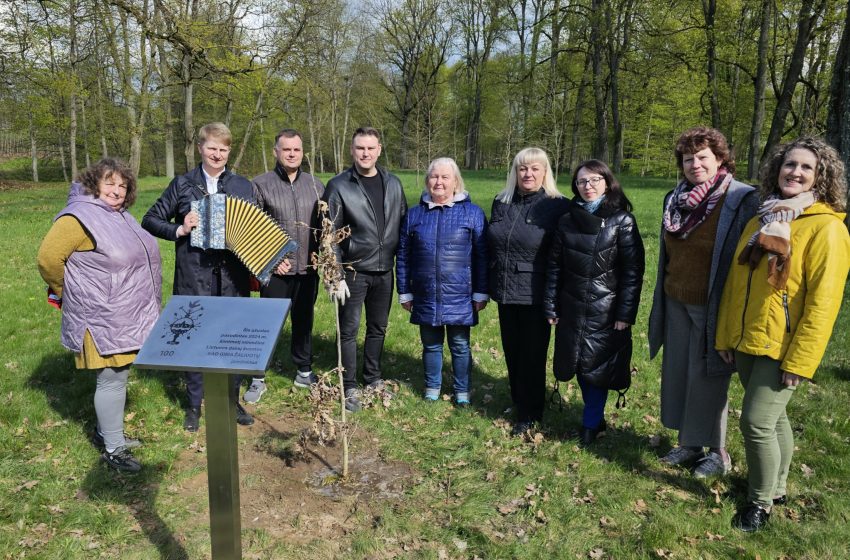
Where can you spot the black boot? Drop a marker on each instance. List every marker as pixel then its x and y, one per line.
pixel 193 419
pixel 242 416
pixel 751 518
pixel 588 435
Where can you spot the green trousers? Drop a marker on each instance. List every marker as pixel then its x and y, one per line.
pixel 768 440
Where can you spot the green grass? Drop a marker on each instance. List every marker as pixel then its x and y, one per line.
pixel 476 493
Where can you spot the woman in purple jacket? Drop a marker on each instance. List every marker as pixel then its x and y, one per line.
pixel 106 274
pixel 441 268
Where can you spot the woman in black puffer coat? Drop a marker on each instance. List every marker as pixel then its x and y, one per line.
pixel 522 222
pixel 593 283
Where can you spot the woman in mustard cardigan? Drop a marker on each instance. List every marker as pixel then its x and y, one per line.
pixel 779 306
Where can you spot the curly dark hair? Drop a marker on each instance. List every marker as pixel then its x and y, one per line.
pixel 830 181
pixel 614 196
pixel 701 137
pixel 91 177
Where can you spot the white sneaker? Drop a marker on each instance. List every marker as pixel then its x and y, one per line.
pixel 255 391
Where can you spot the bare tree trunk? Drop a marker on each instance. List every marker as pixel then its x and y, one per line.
pixel 579 109
pixel 600 144
pixel 101 121
pixel 167 117
pixel 85 134
pixel 62 161
pixel 250 126
pixel 263 146
pixel 188 120
pixel 33 149
pixel 753 161
pixel 809 13
pixel 838 115
pixel 709 10
pixel 311 128
pixel 72 101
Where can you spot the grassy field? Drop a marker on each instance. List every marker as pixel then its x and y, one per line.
pixel 475 492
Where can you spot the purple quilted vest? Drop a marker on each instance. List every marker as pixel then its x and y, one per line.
pixel 115 290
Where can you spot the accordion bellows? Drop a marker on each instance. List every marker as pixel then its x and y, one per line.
pixel 228 222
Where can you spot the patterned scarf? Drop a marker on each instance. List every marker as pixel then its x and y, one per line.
pixel 690 205
pixel 774 236
pixel 591 206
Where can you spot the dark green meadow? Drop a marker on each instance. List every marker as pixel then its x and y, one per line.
pixel 475 491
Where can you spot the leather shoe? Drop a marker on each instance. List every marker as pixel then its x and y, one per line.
pixel 242 416
pixel 521 427
pixel 751 518
pixel 193 419
pixel 589 435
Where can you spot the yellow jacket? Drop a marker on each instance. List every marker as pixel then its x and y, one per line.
pixel 791 325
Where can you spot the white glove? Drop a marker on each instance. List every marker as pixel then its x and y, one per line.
pixel 341 293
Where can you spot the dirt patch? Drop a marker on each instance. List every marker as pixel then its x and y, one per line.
pixel 295 499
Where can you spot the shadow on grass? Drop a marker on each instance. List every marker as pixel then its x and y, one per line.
pixel 70 393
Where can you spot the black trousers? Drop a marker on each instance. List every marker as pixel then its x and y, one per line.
pixel 374 291
pixel 302 289
pixel 525 341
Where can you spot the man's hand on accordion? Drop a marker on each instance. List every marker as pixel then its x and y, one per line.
pixel 283 268
pixel 189 223
pixel 340 293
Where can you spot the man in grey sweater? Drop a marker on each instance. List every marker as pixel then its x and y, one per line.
pixel 291 196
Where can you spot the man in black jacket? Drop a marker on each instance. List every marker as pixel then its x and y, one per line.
pixel 291 197
pixel 200 272
pixel 371 202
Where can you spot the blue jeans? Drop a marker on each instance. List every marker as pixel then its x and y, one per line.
pixel 594 403
pixel 432 355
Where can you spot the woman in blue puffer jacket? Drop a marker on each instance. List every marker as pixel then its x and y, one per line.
pixel 441 269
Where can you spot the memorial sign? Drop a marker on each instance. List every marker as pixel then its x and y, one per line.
pixel 217 336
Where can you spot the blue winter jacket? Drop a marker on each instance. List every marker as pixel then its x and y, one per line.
pixel 442 261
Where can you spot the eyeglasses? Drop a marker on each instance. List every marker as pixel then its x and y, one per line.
pixel 593 181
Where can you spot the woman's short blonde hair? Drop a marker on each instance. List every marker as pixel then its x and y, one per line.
pixel 528 156
pixel 459 185
pixel 830 181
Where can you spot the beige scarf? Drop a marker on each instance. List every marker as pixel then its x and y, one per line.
pixel 774 236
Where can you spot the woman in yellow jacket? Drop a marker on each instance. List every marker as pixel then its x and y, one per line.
pixel 779 306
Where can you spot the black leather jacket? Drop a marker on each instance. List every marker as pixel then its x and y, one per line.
pixel 518 239
pixel 594 278
pixel 367 249
pixel 194 268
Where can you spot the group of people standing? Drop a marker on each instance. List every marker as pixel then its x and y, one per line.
pixel 746 280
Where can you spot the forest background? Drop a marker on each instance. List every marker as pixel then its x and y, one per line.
pixel 472 79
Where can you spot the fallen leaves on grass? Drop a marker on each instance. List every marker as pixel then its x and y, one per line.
pixel 28 485
pixel 596 553
pixel 640 507
pixel 807 471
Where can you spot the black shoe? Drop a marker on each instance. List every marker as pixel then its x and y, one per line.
pixel 193 419
pixel 522 427
pixel 129 443
pixel 781 500
pixel 242 416
pixel 122 459
pixel 751 518
pixel 589 435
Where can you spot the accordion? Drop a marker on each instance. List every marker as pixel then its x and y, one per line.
pixel 228 222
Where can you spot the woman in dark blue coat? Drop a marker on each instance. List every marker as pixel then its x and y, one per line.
pixel 593 283
pixel 441 268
